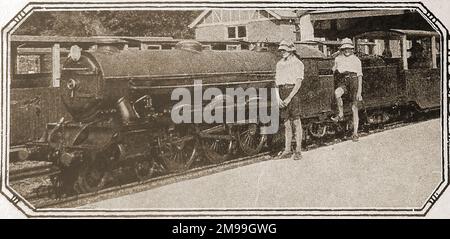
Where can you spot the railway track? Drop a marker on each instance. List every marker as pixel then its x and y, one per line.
pixel 44 200
pixel 139 186
pixel 32 172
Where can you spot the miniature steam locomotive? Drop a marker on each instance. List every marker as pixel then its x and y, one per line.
pixel 120 106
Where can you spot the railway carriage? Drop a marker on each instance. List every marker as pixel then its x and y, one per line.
pixel 396 80
pixel 120 103
pixel 393 88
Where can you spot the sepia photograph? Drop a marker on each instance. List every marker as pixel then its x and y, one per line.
pixel 232 109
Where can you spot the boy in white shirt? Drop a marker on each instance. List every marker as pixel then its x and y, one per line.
pixel 348 79
pixel 288 78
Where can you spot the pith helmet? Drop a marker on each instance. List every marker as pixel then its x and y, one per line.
pixel 347 43
pixel 287 46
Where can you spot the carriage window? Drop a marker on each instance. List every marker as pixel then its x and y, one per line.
pixel 419 53
pixel 233 47
pixel 166 47
pixel 154 47
pixel 395 48
pixel 388 48
pixel 206 47
pixel 32 71
pixel 28 64
pixel 366 47
pixel 219 47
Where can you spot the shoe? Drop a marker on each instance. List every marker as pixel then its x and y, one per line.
pixel 355 138
pixel 284 155
pixel 297 156
pixel 337 118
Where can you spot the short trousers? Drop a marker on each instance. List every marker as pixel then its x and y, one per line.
pixel 292 110
pixel 349 83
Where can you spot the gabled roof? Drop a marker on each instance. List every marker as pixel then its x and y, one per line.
pixel 282 14
pixel 199 18
pixel 276 13
pixel 287 14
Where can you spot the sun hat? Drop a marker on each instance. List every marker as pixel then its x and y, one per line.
pixel 287 46
pixel 347 43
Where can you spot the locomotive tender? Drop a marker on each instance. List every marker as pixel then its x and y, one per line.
pixel 120 104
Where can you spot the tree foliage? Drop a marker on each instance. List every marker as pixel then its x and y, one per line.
pixel 120 23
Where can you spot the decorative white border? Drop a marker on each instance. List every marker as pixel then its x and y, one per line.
pixel 28 209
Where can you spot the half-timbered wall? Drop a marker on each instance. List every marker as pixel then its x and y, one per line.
pixel 230 17
pixel 260 26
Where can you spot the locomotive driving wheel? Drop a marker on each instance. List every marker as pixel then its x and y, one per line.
pixel 250 139
pixel 178 155
pixel 317 129
pixel 145 168
pixel 93 174
pixel 91 177
pixel 217 144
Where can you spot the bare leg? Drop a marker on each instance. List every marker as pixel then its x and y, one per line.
pixel 298 139
pixel 287 136
pixel 355 119
pixel 298 134
pixel 338 93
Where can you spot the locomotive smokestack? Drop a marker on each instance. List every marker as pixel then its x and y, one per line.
pixel 127 112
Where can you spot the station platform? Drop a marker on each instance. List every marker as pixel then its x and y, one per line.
pixel 398 168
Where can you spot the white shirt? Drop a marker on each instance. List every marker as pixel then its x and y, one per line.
pixel 350 63
pixel 289 71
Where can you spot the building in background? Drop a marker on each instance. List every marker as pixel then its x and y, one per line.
pixel 321 29
pixel 253 26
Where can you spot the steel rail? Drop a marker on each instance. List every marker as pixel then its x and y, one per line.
pixel 32 172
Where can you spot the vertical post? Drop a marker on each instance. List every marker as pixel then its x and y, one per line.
pixel 305 27
pixel 372 47
pixel 13 64
pixel 41 63
pixel 56 70
pixel 143 46
pixel 387 48
pixel 404 45
pixel 433 52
